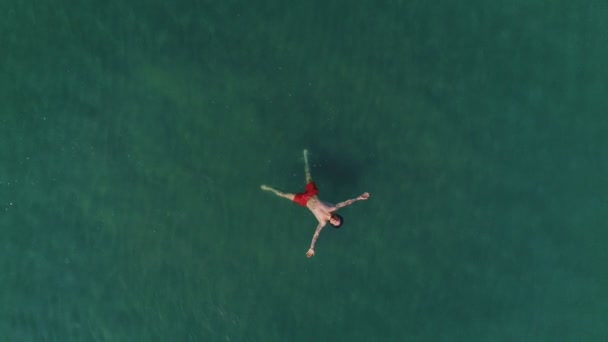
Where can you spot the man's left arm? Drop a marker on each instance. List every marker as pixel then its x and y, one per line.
pixel 363 196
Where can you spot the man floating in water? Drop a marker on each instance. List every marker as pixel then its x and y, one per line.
pixel 324 212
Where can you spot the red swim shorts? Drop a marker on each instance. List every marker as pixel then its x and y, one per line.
pixel 303 197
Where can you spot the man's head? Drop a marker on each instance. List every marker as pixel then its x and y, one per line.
pixel 336 220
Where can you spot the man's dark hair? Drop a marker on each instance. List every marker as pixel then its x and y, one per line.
pixel 339 224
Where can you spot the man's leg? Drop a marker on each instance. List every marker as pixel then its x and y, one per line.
pixel 277 192
pixel 306 168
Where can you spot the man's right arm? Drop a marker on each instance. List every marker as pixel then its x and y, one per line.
pixel 311 250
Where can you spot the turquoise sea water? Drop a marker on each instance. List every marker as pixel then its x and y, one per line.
pixel 135 136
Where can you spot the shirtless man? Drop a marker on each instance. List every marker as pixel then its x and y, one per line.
pixel 324 212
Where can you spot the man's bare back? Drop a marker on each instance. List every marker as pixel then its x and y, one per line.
pixel 323 211
pixel 320 209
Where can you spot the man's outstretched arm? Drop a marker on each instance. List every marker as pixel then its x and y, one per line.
pixel 363 196
pixel 311 250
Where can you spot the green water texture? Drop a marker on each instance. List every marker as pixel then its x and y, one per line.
pixel 135 136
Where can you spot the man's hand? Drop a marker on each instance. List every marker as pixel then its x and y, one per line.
pixel 310 253
pixel 364 196
pixel 264 187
